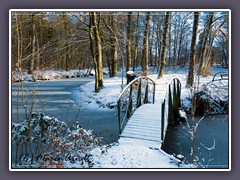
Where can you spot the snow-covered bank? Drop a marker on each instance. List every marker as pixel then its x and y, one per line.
pixel 46 75
pixel 107 97
pixel 51 75
pixel 126 154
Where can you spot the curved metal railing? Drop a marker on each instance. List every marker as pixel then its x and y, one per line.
pixel 139 91
pixel 171 105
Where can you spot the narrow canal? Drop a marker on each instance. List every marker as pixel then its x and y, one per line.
pixel 211 142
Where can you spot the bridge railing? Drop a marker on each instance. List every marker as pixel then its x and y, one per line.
pixel 138 92
pixel 170 105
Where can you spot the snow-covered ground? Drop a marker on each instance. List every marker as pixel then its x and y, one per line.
pixel 130 155
pixel 126 154
pixel 107 97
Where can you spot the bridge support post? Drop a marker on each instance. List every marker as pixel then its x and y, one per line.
pixel 139 95
pixel 119 116
pixel 145 101
pixel 162 121
pixel 170 107
pixel 179 93
pixel 129 110
pixel 175 101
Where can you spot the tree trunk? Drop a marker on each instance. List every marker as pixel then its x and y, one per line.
pixel 151 43
pixel 66 33
pixel 40 42
pixel 38 53
pixel 206 61
pixel 19 44
pixel 136 44
pixel 165 41
pixel 129 41
pixel 191 67
pixel 185 53
pixel 114 48
pixel 108 58
pixel 33 42
pixel 98 48
pixel 176 29
pixel 180 47
pixel 91 37
pixel 204 46
pixel 145 45
pixel 169 45
pixel 159 48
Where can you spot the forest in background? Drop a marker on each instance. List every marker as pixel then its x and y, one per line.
pixel 119 40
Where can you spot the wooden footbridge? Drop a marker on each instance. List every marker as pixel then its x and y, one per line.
pixel 140 119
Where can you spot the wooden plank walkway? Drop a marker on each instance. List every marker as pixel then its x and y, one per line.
pixel 144 126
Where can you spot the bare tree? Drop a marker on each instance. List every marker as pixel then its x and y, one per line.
pixel 91 38
pixel 136 43
pixel 191 67
pixel 204 45
pixel 66 48
pixel 98 47
pixel 114 48
pixel 94 34
pixel 33 44
pixel 165 41
pixel 207 59
pixel 129 41
pixel 145 44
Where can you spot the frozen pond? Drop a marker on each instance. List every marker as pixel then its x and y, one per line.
pixel 61 99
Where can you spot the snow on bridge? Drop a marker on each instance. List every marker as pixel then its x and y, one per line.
pixel 144 126
pixel 141 120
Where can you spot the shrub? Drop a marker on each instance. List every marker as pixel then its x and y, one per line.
pixel 46 142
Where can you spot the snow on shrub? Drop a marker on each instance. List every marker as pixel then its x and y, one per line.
pixel 46 142
pixel 211 97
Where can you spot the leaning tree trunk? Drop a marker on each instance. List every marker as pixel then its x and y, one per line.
pixel 191 67
pixel 164 46
pixel 204 49
pixel 206 62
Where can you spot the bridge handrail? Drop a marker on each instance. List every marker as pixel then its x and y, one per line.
pixel 129 87
pixel 170 104
pixel 132 82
